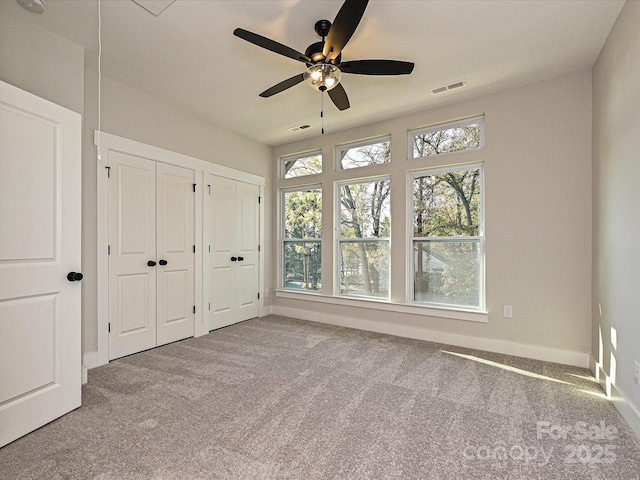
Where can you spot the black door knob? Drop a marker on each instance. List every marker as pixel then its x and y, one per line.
pixel 74 276
pixel 162 262
pixel 233 259
pixel 240 259
pixel 151 263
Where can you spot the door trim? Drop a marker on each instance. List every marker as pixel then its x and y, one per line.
pixel 106 143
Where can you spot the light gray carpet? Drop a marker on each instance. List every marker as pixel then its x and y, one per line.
pixel 282 398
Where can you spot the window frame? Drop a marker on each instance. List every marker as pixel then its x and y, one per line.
pixel 283 240
pixel 480 238
pixel 297 156
pixel 337 250
pixel 357 144
pixel 412 134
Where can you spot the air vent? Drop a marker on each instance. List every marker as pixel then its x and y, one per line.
pixel 446 88
pixel 299 127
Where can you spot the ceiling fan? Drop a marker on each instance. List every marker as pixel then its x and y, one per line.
pixel 324 59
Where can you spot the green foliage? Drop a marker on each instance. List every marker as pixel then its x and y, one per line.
pixel 303 214
pixel 446 204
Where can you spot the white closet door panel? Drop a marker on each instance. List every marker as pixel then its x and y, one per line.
pixel 132 240
pixel 222 235
pixel 175 241
pixel 248 235
pixel 40 358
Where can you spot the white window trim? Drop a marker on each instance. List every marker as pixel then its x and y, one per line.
pixel 412 134
pixel 388 306
pixel 282 239
pixel 410 238
pixel 297 156
pixel 338 235
pixel 361 143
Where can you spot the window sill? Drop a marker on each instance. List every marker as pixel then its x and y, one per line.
pixel 414 309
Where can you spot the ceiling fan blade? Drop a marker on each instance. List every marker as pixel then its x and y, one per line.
pixel 377 67
pixel 339 97
pixel 288 83
pixel 343 26
pixel 270 45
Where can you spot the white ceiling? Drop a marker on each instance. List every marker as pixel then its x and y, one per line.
pixel 189 56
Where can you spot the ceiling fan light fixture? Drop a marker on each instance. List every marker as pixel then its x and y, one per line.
pixel 322 76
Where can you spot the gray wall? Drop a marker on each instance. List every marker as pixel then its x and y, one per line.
pixel 538 215
pixel 616 205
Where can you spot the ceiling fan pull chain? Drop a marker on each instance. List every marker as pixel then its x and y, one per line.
pixel 322 111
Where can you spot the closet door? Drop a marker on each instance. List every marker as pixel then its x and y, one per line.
pixel 222 239
pixel 175 253
pixel 132 245
pixel 151 261
pixel 233 265
pixel 247 237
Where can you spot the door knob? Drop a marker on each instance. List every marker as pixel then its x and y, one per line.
pixel 233 259
pixel 74 276
pixel 162 262
pixel 240 259
pixel 151 263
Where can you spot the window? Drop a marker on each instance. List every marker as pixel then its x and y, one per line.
pixel 447 237
pixel 363 240
pixel 301 165
pixel 301 238
pixel 363 154
pixel 447 138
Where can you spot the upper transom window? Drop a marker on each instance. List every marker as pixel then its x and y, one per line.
pixel 301 164
pixel 365 153
pixel 447 138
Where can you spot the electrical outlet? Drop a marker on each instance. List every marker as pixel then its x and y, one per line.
pixel 636 372
pixel 507 311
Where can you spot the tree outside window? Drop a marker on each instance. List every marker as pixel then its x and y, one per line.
pixel 447 239
pixel 365 224
pixel 302 238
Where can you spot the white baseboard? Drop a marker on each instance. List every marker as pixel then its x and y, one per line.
pixel 89 361
pixel 565 357
pixel 629 411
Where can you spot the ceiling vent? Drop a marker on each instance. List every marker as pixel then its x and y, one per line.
pixel 299 127
pixel 451 86
pixel 154 6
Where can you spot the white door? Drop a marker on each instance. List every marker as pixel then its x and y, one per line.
pixel 151 254
pixel 132 254
pixel 176 253
pixel 247 237
pixel 40 359
pixel 233 235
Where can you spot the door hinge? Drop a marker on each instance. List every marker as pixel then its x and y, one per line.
pixel 194 249
pixel 259 199
pixel 194 309
pixel 108 249
pixel 209 305
pixel 258 247
pixel 258 295
pixel 194 188
pixel 108 171
pixel 209 248
pixel 209 187
pixel 109 328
